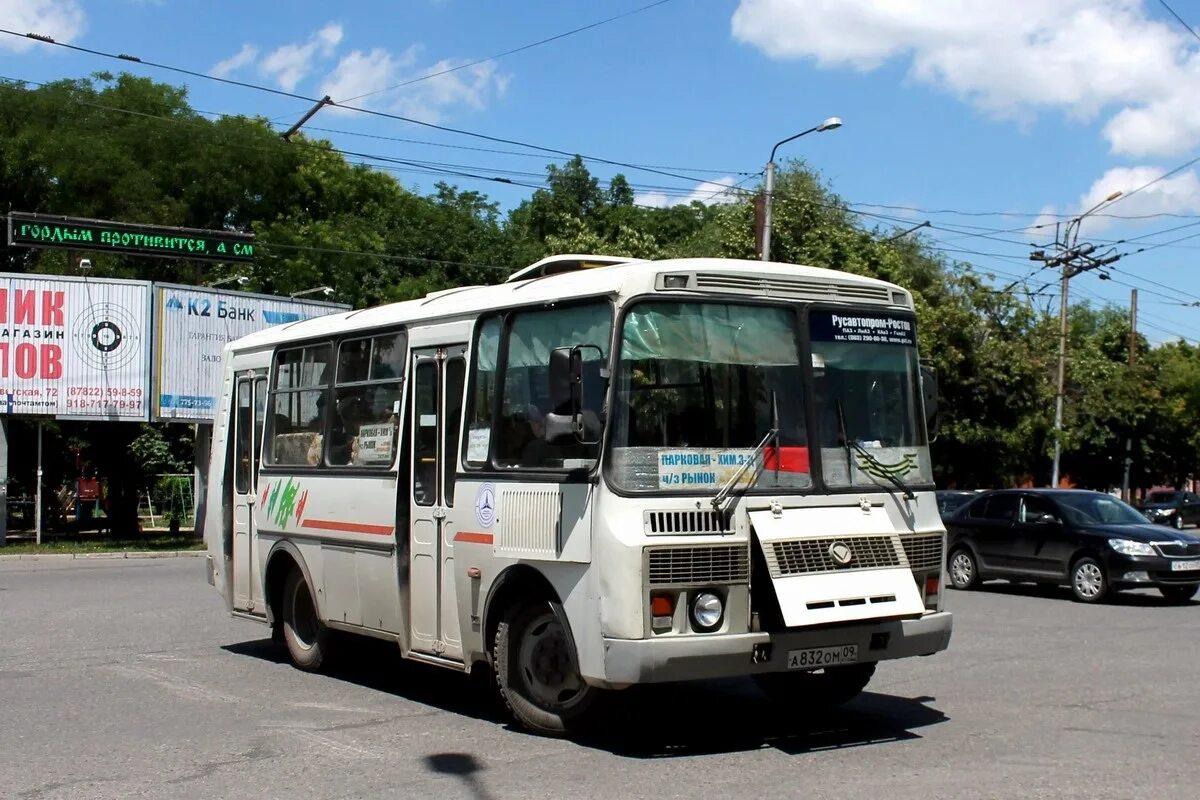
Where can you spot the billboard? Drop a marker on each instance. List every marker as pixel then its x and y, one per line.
pixel 192 327
pixel 104 236
pixel 74 347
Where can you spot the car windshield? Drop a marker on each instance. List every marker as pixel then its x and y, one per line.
pixel 1162 497
pixel 866 380
pixel 1098 509
pixel 698 386
pixel 952 502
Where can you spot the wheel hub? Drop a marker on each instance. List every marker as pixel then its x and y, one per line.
pixel 547 666
pixel 1088 580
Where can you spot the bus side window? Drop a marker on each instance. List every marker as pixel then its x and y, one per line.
pixel 524 400
pixel 482 400
pixel 364 423
pixel 299 400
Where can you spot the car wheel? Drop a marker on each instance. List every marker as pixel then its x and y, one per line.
pixel 964 574
pixel 1178 522
pixel 1088 581
pixel 1179 594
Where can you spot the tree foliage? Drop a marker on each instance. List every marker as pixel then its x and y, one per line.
pixel 127 148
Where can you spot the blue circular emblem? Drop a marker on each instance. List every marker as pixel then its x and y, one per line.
pixel 485 505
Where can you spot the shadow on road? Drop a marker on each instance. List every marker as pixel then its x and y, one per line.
pixel 698 718
pixel 1142 598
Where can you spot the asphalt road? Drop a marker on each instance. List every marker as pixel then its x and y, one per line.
pixel 127 679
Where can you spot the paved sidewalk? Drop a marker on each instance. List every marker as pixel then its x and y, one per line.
pixel 115 554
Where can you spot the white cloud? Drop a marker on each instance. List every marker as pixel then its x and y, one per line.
pixel 1010 59
pixel 241 58
pixel 61 20
pixel 289 64
pixel 362 73
pixel 706 193
pixel 1178 194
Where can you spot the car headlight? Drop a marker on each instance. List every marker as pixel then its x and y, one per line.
pixel 707 609
pixel 1128 547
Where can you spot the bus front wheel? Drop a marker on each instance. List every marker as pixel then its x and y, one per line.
pixel 538 671
pixel 305 636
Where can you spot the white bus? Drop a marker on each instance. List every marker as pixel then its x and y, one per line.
pixel 600 473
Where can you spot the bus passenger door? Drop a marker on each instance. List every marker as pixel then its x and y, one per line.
pixel 436 402
pixel 245 438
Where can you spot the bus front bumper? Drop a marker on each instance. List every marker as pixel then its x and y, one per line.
pixel 696 656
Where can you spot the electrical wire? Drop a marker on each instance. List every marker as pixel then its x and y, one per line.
pixel 1189 28
pixel 359 109
pixel 522 48
pixel 389 162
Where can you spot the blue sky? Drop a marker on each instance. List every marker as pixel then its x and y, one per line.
pixel 1024 107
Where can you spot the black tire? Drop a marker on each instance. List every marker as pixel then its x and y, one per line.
pixel 1179 594
pixel 1178 521
pixel 962 569
pixel 829 688
pixel 307 639
pixel 537 672
pixel 1089 582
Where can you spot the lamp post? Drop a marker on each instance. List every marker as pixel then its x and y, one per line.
pixel 1068 272
pixel 325 290
pixel 827 125
pixel 240 280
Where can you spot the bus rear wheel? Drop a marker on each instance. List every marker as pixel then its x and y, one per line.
pixel 828 688
pixel 537 671
pixel 306 638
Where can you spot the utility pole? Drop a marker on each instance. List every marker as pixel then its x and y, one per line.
pixel 768 201
pixel 1132 356
pixel 1073 259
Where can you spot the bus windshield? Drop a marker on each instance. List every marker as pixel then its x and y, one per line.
pixel 698 385
pixel 866 385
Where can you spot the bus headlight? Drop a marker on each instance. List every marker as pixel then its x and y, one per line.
pixel 707 609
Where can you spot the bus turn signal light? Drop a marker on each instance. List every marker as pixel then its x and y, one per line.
pixel 662 605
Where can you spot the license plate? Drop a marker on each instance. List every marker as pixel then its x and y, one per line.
pixel 1185 566
pixel 816 657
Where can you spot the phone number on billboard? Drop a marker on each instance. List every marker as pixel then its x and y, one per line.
pixel 104 391
pixel 103 405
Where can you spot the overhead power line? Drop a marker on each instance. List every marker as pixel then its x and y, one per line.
pixel 371 112
pixel 522 48
pixel 1189 28
pixel 404 166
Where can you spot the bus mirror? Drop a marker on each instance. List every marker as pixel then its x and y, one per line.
pixel 568 422
pixel 566 368
pixel 929 398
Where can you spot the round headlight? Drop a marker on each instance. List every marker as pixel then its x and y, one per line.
pixel 706 610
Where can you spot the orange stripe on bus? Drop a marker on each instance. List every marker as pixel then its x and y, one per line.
pixel 347 527
pixel 477 538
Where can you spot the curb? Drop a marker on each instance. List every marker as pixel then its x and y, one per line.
pixel 137 554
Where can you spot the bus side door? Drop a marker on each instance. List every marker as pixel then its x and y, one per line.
pixel 249 409
pixel 437 394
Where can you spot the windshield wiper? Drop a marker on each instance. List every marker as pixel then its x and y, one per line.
pixel 759 448
pixel 870 459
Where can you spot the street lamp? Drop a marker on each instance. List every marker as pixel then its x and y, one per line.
pixel 1067 273
pixel 827 125
pixel 316 290
pixel 240 280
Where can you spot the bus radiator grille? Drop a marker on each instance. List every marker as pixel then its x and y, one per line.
pixel 804 556
pixel 924 551
pixel 687 565
pixel 685 522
